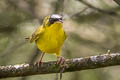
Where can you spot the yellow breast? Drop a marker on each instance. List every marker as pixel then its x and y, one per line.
pixel 52 39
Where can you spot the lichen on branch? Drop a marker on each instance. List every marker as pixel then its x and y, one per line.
pixel 76 64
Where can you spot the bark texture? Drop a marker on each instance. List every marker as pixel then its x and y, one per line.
pixel 76 64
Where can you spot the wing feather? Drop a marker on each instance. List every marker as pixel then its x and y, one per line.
pixel 36 34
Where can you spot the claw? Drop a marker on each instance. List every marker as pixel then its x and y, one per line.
pixel 40 61
pixel 61 60
pixel 38 64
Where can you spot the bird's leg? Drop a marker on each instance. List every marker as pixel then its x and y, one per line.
pixel 61 60
pixel 40 61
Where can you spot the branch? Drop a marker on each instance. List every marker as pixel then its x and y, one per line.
pixel 77 64
pixel 117 1
pixel 99 10
pixel 32 59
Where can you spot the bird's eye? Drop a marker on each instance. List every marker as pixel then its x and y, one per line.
pixel 51 21
pixel 60 18
pixel 56 19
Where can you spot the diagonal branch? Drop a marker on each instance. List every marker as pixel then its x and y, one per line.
pixel 117 1
pixel 112 13
pixel 77 64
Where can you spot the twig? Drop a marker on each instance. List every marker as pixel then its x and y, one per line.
pixel 77 64
pixel 29 7
pixel 34 56
pixel 98 9
pixel 117 1
pixel 78 13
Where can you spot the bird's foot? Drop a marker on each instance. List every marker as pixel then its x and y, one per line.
pixel 38 63
pixel 61 60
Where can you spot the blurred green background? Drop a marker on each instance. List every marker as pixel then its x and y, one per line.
pixel 92 26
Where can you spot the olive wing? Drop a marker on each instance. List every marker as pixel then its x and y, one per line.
pixel 37 34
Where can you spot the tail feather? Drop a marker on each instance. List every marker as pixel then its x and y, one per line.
pixel 27 38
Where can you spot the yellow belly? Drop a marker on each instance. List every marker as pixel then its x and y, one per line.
pixel 52 39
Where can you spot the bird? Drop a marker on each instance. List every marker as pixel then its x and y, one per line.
pixel 50 37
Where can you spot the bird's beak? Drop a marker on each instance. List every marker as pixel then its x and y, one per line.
pixel 61 21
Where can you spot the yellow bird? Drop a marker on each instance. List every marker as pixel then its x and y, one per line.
pixel 50 36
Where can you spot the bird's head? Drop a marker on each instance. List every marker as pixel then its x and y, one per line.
pixel 48 20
